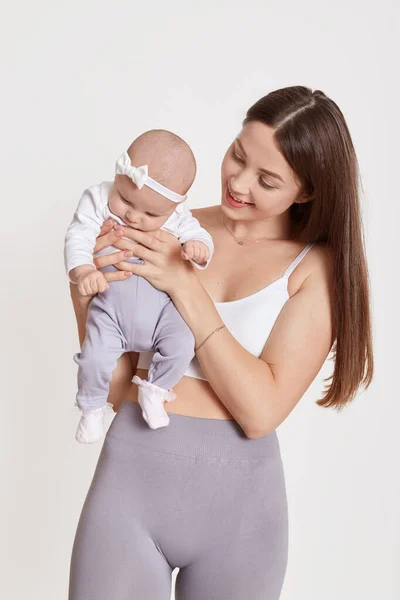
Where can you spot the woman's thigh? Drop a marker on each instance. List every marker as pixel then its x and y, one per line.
pixel 114 556
pixel 245 548
pixel 252 568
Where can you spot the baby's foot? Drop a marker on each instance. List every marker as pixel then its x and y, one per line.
pixel 151 399
pixel 91 425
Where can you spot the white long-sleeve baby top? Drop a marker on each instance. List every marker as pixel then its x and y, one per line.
pixel 93 210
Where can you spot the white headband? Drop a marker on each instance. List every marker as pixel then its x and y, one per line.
pixel 140 177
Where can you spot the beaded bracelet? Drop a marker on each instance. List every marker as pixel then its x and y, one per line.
pixel 204 341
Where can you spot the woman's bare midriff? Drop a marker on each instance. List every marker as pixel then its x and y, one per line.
pixel 194 398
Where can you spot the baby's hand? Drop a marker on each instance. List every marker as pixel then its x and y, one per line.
pixel 91 282
pixel 196 251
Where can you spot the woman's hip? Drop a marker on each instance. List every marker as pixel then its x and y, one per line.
pixel 191 486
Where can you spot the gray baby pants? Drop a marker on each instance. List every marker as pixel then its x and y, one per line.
pixel 131 316
pixel 197 495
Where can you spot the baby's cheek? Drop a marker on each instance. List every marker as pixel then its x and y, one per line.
pixel 114 206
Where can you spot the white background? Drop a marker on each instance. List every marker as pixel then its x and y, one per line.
pixel 79 81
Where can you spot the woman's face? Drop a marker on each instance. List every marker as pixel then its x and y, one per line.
pixel 254 171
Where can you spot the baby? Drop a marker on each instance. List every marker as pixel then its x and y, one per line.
pixel 132 315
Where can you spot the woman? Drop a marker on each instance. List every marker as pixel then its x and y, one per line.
pixel 207 493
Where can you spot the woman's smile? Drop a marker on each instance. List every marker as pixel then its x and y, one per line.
pixel 233 202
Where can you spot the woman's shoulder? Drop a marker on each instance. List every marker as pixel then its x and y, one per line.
pixel 314 271
pixel 323 258
pixel 320 266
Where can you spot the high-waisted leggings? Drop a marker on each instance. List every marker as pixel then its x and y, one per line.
pixel 198 495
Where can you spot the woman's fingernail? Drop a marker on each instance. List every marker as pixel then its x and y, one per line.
pixel 128 253
pixel 127 274
pixel 118 231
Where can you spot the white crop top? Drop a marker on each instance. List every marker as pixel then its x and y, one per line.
pixel 250 319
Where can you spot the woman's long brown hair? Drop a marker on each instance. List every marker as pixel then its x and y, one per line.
pixel 313 136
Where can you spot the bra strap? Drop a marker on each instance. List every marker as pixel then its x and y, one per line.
pixel 296 261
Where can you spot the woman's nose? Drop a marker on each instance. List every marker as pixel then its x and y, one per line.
pixel 240 183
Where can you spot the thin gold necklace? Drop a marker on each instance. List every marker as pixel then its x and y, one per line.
pixel 241 242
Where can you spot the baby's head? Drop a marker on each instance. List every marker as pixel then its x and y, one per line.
pixel 170 162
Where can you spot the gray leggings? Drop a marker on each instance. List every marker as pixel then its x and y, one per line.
pixel 198 495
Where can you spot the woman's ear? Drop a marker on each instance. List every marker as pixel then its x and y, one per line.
pixel 303 199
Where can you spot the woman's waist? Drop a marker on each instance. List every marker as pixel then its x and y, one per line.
pixel 189 437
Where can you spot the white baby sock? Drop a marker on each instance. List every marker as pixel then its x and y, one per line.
pixel 151 399
pixel 91 425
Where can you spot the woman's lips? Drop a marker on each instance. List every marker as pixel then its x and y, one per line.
pixel 232 202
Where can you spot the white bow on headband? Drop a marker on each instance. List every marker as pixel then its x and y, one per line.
pixel 140 177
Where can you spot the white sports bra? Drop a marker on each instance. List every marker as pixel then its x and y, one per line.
pixel 250 319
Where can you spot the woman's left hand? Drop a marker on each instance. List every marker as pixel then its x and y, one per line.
pixel 164 266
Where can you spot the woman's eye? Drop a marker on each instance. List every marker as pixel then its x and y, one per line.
pixel 236 157
pixel 150 215
pixel 266 185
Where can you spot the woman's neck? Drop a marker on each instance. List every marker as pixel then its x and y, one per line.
pixel 276 228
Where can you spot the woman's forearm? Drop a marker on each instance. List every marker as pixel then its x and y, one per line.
pixel 242 381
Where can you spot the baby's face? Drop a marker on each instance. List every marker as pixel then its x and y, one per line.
pixel 142 209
